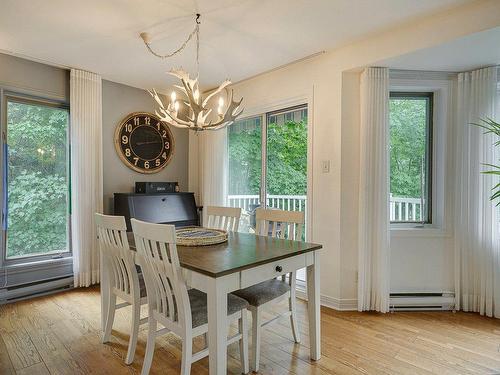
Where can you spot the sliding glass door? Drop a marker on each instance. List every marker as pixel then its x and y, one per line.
pixel 268 163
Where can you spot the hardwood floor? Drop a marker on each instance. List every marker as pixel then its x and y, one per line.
pixel 59 334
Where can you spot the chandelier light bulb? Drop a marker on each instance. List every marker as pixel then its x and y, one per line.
pixel 173 96
pixel 221 102
pixel 196 95
pixel 176 106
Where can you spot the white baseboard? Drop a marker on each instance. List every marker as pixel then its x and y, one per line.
pixel 341 304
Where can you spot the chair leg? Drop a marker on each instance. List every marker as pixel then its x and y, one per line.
pixel 134 332
pixel 110 317
pixel 187 354
pixel 293 317
pixel 243 326
pixel 256 330
pixel 150 345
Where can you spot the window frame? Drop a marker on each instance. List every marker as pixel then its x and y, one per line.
pixel 18 97
pixel 429 148
pixel 264 122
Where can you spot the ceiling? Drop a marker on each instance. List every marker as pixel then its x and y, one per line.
pixel 462 54
pixel 239 38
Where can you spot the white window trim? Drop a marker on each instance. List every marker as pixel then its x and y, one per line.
pixel 441 168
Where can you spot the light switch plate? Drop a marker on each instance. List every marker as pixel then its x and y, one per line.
pixel 325 166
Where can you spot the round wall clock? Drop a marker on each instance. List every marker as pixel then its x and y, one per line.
pixel 144 143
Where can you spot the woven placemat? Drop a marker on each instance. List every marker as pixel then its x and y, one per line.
pixel 199 236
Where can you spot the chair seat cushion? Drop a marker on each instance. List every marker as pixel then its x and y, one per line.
pixel 261 293
pixel 198 301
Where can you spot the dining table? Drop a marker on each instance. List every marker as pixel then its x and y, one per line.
pixel 244 260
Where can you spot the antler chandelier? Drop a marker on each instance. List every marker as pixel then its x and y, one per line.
pixel 197 114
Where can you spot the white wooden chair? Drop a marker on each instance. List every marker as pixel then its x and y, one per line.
pixel 284 225
pixel 124 280
pixel 179 310
pixel 227 218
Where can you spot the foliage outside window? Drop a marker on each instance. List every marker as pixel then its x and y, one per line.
pixel 245 156
pixel 286 156
pixel 410 157
pixel 287 153
pixel 38 179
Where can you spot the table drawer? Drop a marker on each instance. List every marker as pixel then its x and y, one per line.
pixel 268 271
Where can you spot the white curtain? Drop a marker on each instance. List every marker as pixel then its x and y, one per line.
pixel 477 250
pixel 374 246
pixel 86 173
pixel 213 168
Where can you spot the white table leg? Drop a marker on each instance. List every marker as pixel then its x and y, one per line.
pixel 217 326
pixel 313 306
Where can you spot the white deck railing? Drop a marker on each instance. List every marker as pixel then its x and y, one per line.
pixel 283 202
pixel 401 209
pixel 405 209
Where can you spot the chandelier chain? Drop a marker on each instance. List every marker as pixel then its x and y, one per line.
pixel 197 46
pixel 196 31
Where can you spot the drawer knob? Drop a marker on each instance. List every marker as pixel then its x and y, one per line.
pixel 279 268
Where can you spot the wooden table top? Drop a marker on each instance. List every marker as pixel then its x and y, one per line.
pixel 241 251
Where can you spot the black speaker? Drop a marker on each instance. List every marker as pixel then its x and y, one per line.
pixel 156 187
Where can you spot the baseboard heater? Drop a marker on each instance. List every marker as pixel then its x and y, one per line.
pixel 25 291
pixel 422 301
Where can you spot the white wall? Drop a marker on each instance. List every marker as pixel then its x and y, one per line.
pixel 349 189
pixel 422 264
pixel 334 84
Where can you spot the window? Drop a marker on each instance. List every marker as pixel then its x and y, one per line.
pixel 411 157
pixel 36 179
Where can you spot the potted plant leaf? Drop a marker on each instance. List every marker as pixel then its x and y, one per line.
pixel 492 127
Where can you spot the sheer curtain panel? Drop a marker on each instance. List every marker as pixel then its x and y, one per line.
pixel 86 173
pixel 374 246
pixel 477 250
pixel 214 168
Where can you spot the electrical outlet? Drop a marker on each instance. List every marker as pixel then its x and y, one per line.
pixel 325 166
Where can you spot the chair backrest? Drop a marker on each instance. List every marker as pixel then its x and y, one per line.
pixel 119 260
pixel 282 224
pixel 165 286
pixel 227 218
